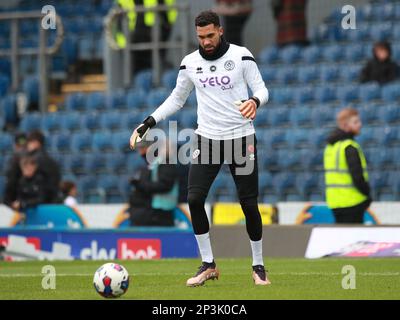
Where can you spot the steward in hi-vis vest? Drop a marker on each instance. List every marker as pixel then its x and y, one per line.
pixel 346 176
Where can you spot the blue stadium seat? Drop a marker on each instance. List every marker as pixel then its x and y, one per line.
pixel 120 140
pixel 329 73
pixel 31 121
pixel 390 114
pixel 134 162
pixel 265 181
pixel 308 74
pixel 111 120
pixel 361 33
pixel 6 142
pixel 347 94
pixel 313 162
pixel 71 121
pixel 268 73
pixel 303 95
pixel 9 110
pixel 91 121
pixel 116 163
pixel 132 119
pixel 269 159
pixel 286 75
pixel 81 142
pixel 96 163
pixel 86 48
pixel 157 97
pixel 4 84
pixel 369 113
pixel 301 116
pixel 311 54
pixel 30 86
pixel 135 99
pixel 144 80
pixel 323 115
pixel 290 54
pixel 87 186
pixel 350 73
pixel 324 94
pixel 75 164
pixel 317 138
pixel 61 142
pixel 281 96
pixel 370 92
pixel 380 31
pixel 188 118
pixel 289 159
pixel 284 183
pixel 102 141
pixel 191 100
pixel 76 102
pixel 51 122
pixel 278 116
pixel 275 138
pixel 168 80
pixel 379 181
pixel 391 92
pixel 354 53
pixel 389 136
pixel 368 137
pixel 269 55
pixel 307 183
pixel 116 100
pixel 297 138
pixel 396 32
pixel 95 101
pixel 332 53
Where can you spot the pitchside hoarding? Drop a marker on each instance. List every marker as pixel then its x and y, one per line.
pixel 107 244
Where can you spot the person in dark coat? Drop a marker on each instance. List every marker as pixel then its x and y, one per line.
pixel 32 188
pixel 381 67
pixel 48 167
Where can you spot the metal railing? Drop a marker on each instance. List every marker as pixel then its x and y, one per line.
pixel 42 51
pixel 155 45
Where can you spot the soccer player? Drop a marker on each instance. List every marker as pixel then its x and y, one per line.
pixel 220 73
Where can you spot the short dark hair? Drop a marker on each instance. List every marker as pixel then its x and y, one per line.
pixel 36 135
pixel 66 187
pixel 20 138
pixel 207 17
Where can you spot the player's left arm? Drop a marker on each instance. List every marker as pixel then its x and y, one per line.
pixel 252 76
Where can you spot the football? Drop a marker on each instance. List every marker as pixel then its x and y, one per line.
pixel 111 280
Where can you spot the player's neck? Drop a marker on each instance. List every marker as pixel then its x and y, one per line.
pixel 219 51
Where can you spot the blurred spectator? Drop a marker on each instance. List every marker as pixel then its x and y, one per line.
pixel 32 187
pixel 156 191
pixel 346 176
pixel 69 192
pixel 381 67
pixel 47 165
pixel 235 14
pixel 13 171
pixel 291 22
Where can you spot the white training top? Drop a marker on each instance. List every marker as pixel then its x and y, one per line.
pixel 218 83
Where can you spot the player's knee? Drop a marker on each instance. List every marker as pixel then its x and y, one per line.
pixel 196 200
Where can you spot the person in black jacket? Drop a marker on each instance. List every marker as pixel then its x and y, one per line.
pixel 32 188
pixel 381 67
pixel 349 125
pixel 142 208
pixel 48 167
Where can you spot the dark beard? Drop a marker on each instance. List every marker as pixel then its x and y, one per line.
pixel 217 53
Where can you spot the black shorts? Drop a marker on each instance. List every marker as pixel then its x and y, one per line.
pixel 241 156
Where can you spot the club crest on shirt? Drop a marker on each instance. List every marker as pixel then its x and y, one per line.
pixel 229 65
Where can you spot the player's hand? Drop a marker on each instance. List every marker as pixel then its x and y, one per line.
pixel 248 109
pixel 140 132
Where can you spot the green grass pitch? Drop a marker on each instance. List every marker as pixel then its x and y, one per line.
pixel 165 279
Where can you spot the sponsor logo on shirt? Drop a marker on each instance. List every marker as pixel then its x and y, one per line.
pixel 223 82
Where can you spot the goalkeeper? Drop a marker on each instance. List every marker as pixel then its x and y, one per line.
pixel 220 73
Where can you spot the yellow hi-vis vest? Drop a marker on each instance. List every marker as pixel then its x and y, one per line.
pixel 149 17
pixel 340 190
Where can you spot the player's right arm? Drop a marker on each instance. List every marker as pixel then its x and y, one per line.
pixel 172 104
